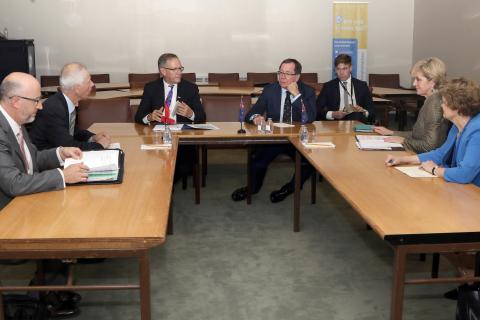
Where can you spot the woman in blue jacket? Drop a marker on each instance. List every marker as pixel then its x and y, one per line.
pixel 458 159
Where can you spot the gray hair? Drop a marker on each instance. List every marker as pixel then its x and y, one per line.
pixel 9 88
pixel 162 61
pixel 72 74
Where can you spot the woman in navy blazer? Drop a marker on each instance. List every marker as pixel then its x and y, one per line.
pixel 457 160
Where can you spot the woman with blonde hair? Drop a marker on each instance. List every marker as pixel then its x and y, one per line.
pixel 430 129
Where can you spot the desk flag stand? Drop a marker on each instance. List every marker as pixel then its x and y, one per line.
pixel 241 116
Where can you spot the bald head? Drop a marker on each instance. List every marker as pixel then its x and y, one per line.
pixel 17 83
pixel 20 97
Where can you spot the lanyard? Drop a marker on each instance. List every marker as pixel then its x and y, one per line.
pixel 346 90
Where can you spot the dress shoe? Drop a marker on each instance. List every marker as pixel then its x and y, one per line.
pixel 451 295
pixel 240 194
pixel 280 195
pixel 64 311
pixel 68 296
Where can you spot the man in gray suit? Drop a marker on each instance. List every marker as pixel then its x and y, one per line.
pixel 24 169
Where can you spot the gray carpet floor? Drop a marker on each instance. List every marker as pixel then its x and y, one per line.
pixel 235 261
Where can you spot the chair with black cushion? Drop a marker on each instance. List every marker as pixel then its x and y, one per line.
pixel 262 78
pixel 100 78
pixel 49 81
pixel 235 83
pixel 138 80
pixel 311 77
pixel 221 109
pixel 189 76
pixel 90 111
pixel 217 77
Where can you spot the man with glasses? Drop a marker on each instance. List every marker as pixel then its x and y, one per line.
pixel 282 101
pixel 345 97
pixel 170 100
pixel 56 124
pixel 24 170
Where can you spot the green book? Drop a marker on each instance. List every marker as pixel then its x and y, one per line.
pixel 363 128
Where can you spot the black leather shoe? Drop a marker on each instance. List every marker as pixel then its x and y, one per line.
pixel 280 195
pixel 240 194
pixel 64 311
pixel 451 295
pixel 69 296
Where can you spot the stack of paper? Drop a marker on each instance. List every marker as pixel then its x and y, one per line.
pixel 103 165
pixel 319 145
pixel 202 126
pixel 172 127
pixel 367 142
pixel 159 146
pixel 415 172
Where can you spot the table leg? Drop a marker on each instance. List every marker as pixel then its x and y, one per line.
pixel 296 196
pixel 249 175
pixel 398 287
pixel 197 174
pixel 144 279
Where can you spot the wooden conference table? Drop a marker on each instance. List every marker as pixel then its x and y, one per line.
pixel 413 215
pixel 106 221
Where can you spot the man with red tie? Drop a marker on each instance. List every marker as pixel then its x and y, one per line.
pixel 171 99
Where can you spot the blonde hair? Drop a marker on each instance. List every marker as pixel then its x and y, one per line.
pixel 432 68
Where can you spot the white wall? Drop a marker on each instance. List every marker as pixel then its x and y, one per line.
pixel 449 30
pixel 118 36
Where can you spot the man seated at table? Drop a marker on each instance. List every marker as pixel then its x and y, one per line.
pixel 345 97
pixel 172 93
pixel 24 170
pixel 281 101
pixel 55 125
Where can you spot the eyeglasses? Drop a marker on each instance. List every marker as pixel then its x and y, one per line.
pixel 280 73
pixel 35 100
pixel 180 69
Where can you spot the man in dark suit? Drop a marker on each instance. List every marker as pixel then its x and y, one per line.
pixel 172 99
pixel 24 170
pixel 345 97
pixel 282 101
pixel 55 125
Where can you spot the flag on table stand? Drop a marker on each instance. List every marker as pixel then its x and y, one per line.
pixel 304 113
pixel 241 116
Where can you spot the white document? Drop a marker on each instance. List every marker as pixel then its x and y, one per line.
pixel 319 145
pixel 283 125
pixel 105 160
pixel 373 142
pixel 160 146
pixel 172 127
pixel 114 145
pixel 415 172
pixel 202 126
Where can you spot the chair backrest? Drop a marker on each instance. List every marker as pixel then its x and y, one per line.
pixel 103 110
pixel 385 80
pixel 224 108
pixel 49 81
pixel 315 85
pixel 189 76
pixel 262 77
pixel 232 83
pixel 100 78
pixel 217 77
pixel 138 80
pixel 311 77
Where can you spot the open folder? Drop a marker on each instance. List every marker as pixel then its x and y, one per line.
pixel 105 166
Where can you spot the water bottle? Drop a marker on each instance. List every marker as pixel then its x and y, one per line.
pixel 269 125
pixel 263 126
pixel 303 134
pixel 167 136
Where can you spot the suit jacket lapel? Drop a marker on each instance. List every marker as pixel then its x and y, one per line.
pixel 13 142
pixel 278 99
pixel 337 92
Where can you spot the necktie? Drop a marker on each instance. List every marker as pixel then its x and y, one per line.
pixel 21 144
pixel 287 109
pixel 346 101
pixel 168 102
pixel 73 116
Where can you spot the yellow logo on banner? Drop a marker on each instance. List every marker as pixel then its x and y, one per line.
pixel 351 22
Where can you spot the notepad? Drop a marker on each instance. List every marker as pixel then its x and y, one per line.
pixel 172 127
pixel 372 142
pixel 415 172
pixel 202 126
pixel 102 164
pixel 319 145
pixel 283 125
pixel 159 146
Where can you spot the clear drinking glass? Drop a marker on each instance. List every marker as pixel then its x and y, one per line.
pixel 303 134
pixel 167 136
